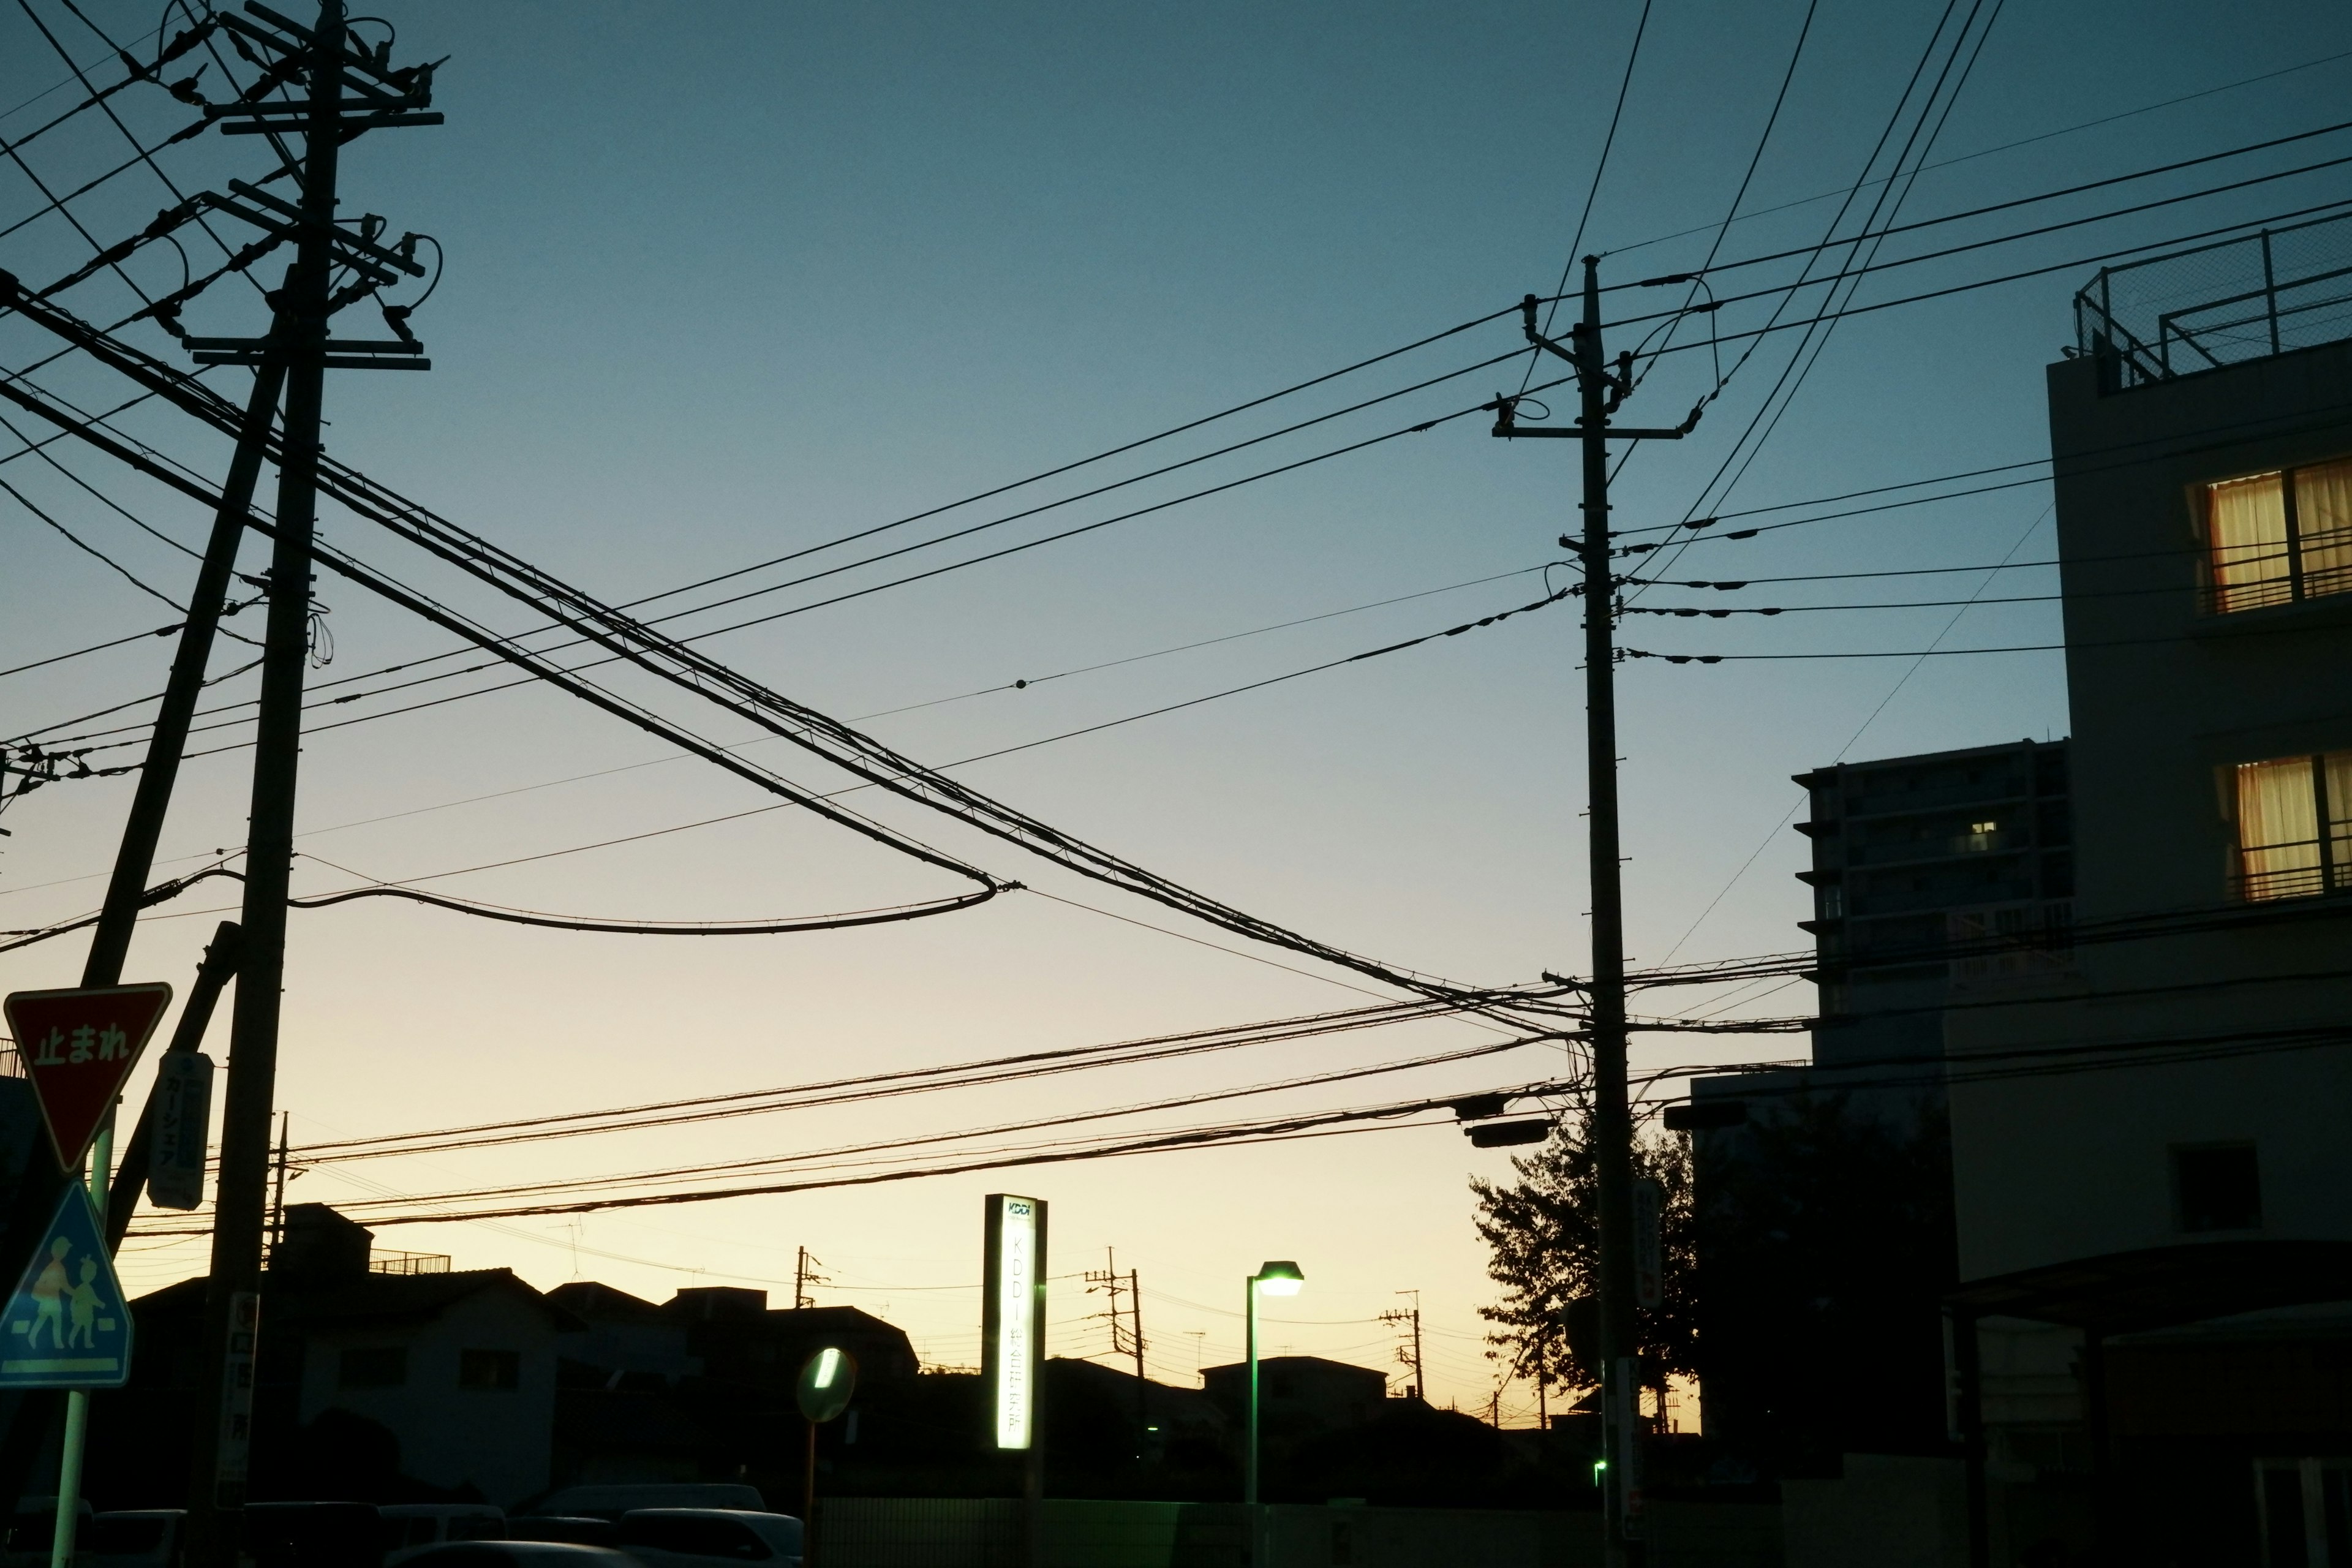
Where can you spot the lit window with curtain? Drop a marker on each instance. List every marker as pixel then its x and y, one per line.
pixel 2295 827
pixel 2279 537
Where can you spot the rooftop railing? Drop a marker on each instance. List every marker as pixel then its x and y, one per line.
pixel 2224 303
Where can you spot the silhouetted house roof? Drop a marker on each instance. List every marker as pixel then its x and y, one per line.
pixel 1301 1392
pixel 1175 1411
pixel 593 1303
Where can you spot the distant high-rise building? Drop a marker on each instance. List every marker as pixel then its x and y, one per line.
pixel 1937 880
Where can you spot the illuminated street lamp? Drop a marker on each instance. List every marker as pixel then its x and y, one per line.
pixel 1279 1278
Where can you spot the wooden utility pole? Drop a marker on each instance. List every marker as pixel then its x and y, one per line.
pixel 1412 1316
pixel 1600 391
pixel 216 1498
pixel 346 91
pixel 804 1274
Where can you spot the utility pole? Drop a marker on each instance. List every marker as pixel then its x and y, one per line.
pixel 277 1193
pixel 804 1274
pixel 1135 1343
pixel 1411 1358
pixel 1600 392
pixel 348 89
pixel 1126 1332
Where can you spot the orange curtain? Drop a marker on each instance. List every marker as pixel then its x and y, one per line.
pixel 2339 814
pixel 2247 518
pixel 2278 828
pixel 2322 515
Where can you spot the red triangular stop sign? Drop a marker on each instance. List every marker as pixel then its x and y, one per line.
pixel 77 1047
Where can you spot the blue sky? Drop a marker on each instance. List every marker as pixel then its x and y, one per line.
pixel 727 280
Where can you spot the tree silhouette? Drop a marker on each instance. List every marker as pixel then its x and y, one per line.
pixel 1826 1239
pixel 1543 1234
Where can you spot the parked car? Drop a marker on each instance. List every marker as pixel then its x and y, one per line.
pixel 313 1535
pixel 581 1530
pixel 708 1537
pixel 611 1499
pixel 520 1555
pixel 135 1537
pixel 411 1526
pixel 32 1533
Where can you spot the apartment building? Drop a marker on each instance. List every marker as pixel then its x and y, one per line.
pixel 2152 1175
pixel 1937 880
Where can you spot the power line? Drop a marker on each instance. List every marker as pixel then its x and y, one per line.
pixel 1275 1130
pixel 1879 235
pixel 1845 310
pixel 859 1152
pixel 2023 142
pixel 1592 192
pixel 2011 238
pixel 94 648
pixel 1016 684
pixel 1871 234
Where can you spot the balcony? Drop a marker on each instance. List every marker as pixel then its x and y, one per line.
pixel 2219 304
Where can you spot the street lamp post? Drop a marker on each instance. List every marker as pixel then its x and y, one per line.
pixel 1280 1279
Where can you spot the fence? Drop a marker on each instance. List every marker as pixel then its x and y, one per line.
pixel 2211 305
pixel 986 1532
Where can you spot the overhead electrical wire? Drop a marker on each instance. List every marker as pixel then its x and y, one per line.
pixel 1763 140
pixel 1876 267
pixel 660 655
pixel 2010 146
pixel 1279 1128
pixel 2244 225
pixel 1015 1067
pixel 2150 172
pixel 406 887
pixel 1592 192
pixel 707 1169
pixel 410 664
pixel 1852 264
pixel 94 648
pixel 2016 1063
pixel 570 595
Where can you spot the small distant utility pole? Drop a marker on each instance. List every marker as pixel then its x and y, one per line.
pixel 1125 1333
pixel 804 1274
pixel 1135 1343
pixel 1411 1358
pixel 1601 389
pixel 278 1197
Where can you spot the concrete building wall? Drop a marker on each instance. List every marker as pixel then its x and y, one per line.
pixel 496 1439
pixel 2167 698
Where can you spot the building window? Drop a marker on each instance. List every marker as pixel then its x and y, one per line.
pixel 2283 852
pixel 493 1370
pixel 373 1366
pixel 2281 537
pixel 2216 1187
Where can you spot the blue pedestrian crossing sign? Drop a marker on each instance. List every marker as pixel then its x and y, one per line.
pixel 67 1326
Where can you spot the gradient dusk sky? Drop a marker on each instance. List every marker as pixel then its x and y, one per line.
pixel 727 280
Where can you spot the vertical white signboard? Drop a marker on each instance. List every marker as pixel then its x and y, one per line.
pixel 1013 1317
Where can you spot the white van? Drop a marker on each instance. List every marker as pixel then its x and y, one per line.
pixel 31 1534
pixel 410 1527
pixel 710 1537
pixel 611 1500
pixel 135 1537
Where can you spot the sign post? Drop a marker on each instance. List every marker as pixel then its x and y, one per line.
pixel 1649 1243
pixel 76 1046
pixel 184 1105
pixel 827 1381
pixel 1012 1344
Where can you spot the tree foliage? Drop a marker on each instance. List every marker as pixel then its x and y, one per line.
pixel 1543 1236
pixel 1829 1244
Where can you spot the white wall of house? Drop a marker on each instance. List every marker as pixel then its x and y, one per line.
pixel 496 1439
pixel 2167 698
